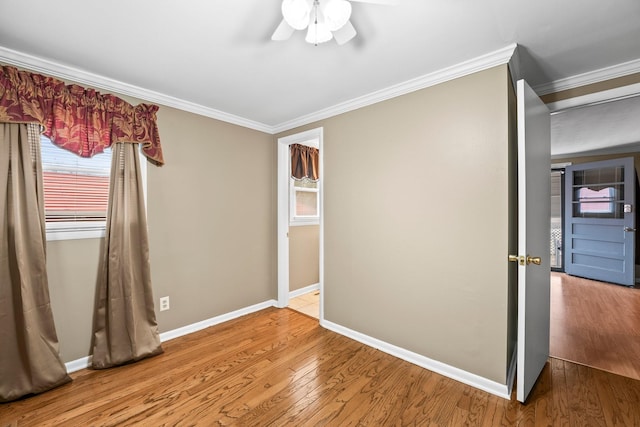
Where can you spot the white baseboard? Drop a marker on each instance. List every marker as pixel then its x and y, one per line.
pixel 78 364
pixel 305 290
pixel 194 327
pixel 501 390
pixel 85 362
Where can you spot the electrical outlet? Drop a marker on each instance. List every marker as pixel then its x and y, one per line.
pixel 164 303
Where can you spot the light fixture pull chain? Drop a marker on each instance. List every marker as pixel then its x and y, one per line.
pixel 315 12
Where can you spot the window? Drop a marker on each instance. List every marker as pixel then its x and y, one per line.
pixel 599 193
pixel 76 192
pixel 305 204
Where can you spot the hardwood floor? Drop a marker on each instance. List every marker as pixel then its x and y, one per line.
pixel 595 324
pixel 279 367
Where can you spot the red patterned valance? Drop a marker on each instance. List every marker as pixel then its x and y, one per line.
pixel 80 120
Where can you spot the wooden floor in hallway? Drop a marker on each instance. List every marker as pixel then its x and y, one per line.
pixel 278 367
pixel 595 324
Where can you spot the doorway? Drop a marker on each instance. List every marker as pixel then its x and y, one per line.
pixel 592 321
pixel 291 232
pixel 593 216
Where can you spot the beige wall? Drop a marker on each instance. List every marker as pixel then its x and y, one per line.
pixel 304 256
pixel 212 231
pixel 212 218
pixel 415 247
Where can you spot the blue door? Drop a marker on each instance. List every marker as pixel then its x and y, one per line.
pixel 600 221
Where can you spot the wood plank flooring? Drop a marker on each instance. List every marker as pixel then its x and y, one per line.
pixel 595 324
pixel 278 367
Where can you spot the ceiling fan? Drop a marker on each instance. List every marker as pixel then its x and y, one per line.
pixel 323 19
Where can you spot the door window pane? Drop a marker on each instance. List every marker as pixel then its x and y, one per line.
pixel 598 193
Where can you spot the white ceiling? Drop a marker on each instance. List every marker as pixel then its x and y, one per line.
pixel 218 54
pixel 607 124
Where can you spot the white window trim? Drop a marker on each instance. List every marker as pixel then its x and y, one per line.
pixel 297 220
pixel 89 230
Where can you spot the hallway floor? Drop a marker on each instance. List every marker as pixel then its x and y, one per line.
pixel 308 304
pixel 595 324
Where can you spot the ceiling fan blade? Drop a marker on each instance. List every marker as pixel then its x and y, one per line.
pixel 344 34
pixel 283 32
pixel 385 2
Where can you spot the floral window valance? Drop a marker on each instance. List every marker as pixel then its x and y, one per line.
pixel 80 120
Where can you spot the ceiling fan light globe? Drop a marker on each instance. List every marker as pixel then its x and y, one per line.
pixel 318 33
pixel 336 13
pixel 296 13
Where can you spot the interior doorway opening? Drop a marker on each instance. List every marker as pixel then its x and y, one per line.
pixel 300 229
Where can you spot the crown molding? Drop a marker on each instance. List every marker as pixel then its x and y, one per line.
pixel 54 69
pixel 605 96
pixel 505 55
pixel 492 59
pixel 590 77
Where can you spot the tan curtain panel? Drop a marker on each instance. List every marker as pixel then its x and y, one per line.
pixel 29 358
pixel 80 120
pixel 304 162
pixel 125 328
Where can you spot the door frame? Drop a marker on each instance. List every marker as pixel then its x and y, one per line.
pixel 559 167
pixel 284 166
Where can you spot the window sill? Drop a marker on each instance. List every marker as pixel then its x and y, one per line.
pixel 301 222
pixel 62 232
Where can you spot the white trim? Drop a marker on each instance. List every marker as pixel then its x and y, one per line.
pixel 85 362
pixel 501 390
pixel 283 223
pixel 78 364
pixel 498 57
pixel 305 290
pixel 22 60
pixel 74 234
pixel 302 222
pixel 480 63
pixel 194 327
pixel 284 173
pixel 76 75
pixel 590 77
pixel 601 97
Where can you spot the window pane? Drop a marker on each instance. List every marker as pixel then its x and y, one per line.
pixel 598 193
pixel 306 203
pixel 76 189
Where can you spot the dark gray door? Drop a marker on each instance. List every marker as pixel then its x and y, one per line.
pixel 600 221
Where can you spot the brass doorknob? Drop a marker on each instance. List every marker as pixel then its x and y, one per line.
pixel 516 258
pixel 534 260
